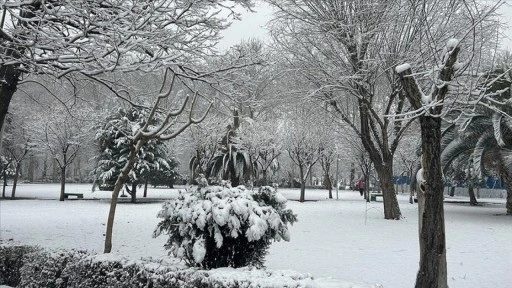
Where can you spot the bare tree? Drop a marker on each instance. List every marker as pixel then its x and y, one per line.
pixel 204 139
pixel 303 143
pixel 258 137
pixel 17 145
pixel 168 129
pixel 93 38
pixel 345 50
pixel 63 139
pixel 408 158
pixel 429 94
pixel 336 46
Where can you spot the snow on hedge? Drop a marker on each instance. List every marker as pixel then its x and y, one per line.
pixel 27 266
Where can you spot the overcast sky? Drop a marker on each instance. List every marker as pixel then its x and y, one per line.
pixel 252 26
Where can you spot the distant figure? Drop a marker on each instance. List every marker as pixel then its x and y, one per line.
pixel 360 185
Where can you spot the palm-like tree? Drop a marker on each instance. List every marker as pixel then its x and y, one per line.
pixel 485 137
pixel 231 161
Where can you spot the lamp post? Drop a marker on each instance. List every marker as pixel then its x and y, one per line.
pixel 337 166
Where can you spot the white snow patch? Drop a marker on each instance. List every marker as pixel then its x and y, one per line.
pixel 401 68
pixel 280 198
pixel 452 43
pixel 426 99
pixel 331 240
pixel 199 251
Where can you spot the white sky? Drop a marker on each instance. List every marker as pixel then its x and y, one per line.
pixel 252 26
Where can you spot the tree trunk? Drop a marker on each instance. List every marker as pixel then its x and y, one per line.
pixel 509 200
pixel 302 184
pixel 311 178
pixel 45 167
pixel 121 179
pixel 508 184
pixel 328 183
pixel 352 175
pixel 472 197
pixel 432 271
pixel 264 180
pixel 452 191
pixel 134 193
pixel 54 171
pixel 62 183
pixel 471 190
pixel 5 184
pixel 146 188
pixel 15 182
pixel 7 88
pixel 31 168
pixel 78 169
pixel 367 193
pixel 391 208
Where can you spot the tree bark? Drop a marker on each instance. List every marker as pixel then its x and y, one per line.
pixel 452 191
pixel 302 184
pixel 432 271
pixel 328 183
pixel 4 184
pixel 134 193
pixel 9 74
pixel 391 208
pixel 471 190
pixel 509 200
pixel 78 169
pixel 383 162
pixel 121 179
pixel 146 188
pixel 54 171
pixel 62 183
pixel 508 180
pixel 264 180
pixel 15 182
pixel 31 168
pixel 352 175
pixel 472 196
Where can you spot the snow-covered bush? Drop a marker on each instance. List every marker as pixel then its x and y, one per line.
pixel 26 266
pixel 109 270
pixel 221 226
pixel 11 260
pixel 45 268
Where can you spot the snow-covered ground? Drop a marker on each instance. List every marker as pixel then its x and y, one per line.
pixel 343 239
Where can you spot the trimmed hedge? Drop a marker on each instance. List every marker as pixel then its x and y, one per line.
pixel 27 266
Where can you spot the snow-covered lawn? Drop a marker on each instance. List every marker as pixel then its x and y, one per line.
pixel 344 239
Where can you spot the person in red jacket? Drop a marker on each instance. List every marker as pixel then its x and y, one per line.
pixel 360 185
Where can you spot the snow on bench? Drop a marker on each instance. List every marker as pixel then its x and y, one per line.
pixel 78 195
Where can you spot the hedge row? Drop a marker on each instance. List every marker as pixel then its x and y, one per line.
pixel 28 266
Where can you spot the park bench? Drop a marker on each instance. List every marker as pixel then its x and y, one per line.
pixel 78 195
pixel 373 196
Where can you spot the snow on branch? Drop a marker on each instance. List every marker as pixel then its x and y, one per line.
pixel 401 68
pixel 433 101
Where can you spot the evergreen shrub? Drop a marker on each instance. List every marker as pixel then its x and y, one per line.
pixel 224 226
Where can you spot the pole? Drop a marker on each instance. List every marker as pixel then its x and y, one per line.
pixel 337 165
